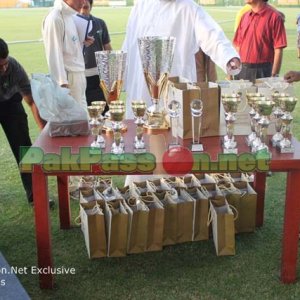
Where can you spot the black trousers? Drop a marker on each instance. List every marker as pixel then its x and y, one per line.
pixel 254 71
pixel 93 91
pixel 13 120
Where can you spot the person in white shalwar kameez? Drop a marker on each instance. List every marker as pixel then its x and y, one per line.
pixel 63 48
pixel 192 27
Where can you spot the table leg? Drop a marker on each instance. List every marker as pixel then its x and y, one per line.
pixel 42 227
pixel 291 228
pixel 64 202
pixel 259 187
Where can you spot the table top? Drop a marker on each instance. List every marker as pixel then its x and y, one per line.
pixel 212 147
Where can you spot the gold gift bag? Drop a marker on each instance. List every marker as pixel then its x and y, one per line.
pixel 155 222
pixel 116 218
pixel 93 228
pixel 201 231
pixel 170 209
pixel 185 216
pixel 222 219
pixel 245 203
pixel 138 225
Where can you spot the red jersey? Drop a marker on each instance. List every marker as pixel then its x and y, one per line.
pixel 259 34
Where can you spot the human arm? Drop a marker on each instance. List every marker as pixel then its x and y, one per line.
pixel 212 40
pixel 39 121
pixel 292 76
pixel 277 61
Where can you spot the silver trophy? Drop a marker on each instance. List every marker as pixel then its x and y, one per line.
pixel 111 66
pixel 157 56
pixel 173 111
pixel 196 111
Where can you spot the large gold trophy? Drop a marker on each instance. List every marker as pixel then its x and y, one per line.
pixel 111 66
pixel 156 54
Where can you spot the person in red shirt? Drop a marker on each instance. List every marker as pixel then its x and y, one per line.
pixel 260 39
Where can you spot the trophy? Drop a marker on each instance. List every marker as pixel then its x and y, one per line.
pixel 264 108
pixel 100 119
pixel 96 126
pixel 139 110
pixel 287 104
pixel 173 110
pixel 111 66
pixel 117 115
pixel 230 104
pixel 196 112
pixel 251 98
pixel 156 55
pixel 277 113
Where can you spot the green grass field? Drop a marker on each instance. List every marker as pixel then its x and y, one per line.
pixel 186 271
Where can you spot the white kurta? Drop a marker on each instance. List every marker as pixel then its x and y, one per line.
pixel 193 29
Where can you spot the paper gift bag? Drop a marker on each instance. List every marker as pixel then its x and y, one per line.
pixel 222 219
pixel 184 92
pixel 88 194
pixel 185 216
pixel 155 223
pixel 244 199
pixel 170 224
pixel 138 225
pixel 93 228
pixel 116 218
pixel 201 231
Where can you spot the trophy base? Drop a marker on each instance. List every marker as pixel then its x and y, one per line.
pixel 197 148
pixel 230 150
pixel 137 151
pixel 286 150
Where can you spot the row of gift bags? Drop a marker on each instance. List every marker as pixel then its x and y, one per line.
pixel 149 220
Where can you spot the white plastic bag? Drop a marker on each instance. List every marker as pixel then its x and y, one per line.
pixel 65 116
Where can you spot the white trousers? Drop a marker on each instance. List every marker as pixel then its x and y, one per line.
pixel 77 86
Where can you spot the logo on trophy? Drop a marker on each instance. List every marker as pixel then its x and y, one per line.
pixel 157 56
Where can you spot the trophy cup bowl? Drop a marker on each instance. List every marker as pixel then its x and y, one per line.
pixel 139 110
pixel 156 55
pixel 264 108
pixel 287 104
pixel 196 112
pixel 230 105
pixel 117 116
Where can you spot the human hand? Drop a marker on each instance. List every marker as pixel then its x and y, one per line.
pixel 89 41
pixel 292 76
pixel 234 66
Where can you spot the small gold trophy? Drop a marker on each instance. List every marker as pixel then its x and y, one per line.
pixel 117 116
pixel 287 105
pixel 230 104
pixel 139 110
pixel 94 113
pixel 100 119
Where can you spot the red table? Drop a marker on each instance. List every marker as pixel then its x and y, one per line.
pixel 289 163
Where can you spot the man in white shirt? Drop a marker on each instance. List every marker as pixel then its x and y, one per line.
pixel 192 27
pixel 63 48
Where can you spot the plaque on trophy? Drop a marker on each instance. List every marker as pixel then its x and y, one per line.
pixel 196 112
